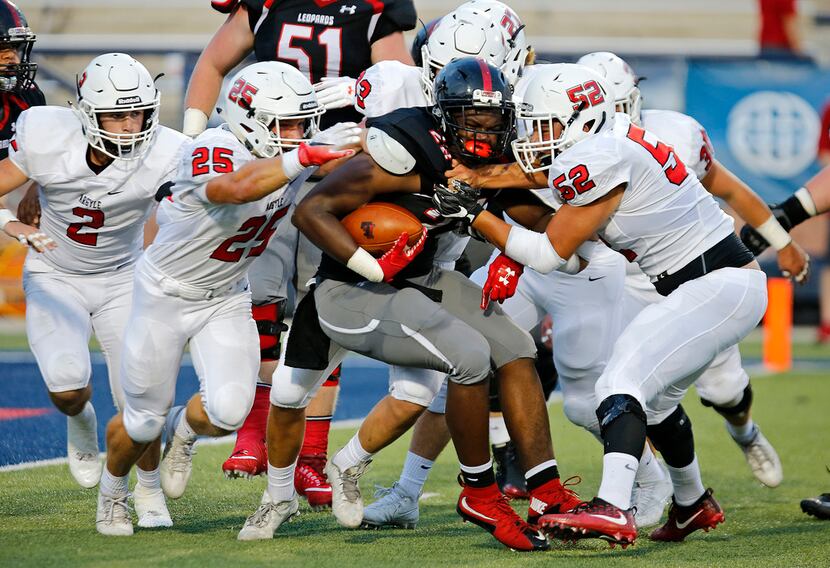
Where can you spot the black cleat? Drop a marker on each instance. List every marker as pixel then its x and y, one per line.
pixel 509 476
pixel 818 507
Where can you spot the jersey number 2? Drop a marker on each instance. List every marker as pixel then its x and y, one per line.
pixel 96 221
pixel 253 230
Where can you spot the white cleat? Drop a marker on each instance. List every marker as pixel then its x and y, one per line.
pixel 763 460
pixel 650 499
pixel 268 517
pixel 393 508
pixel 346 501
pixel 177 460
pixel 151 508
pixel 113 516
pixel 82 451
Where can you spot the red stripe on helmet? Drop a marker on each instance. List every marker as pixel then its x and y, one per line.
pixel 13 10
pixel 486 77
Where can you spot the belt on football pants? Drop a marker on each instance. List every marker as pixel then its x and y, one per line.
pixel 173 287
pixel 730 252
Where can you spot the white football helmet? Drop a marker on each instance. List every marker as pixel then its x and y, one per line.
pixel 505 19
pixel 619 73
pixel 114 83
pixel 458 36
pixel 574 96
pixel 261 95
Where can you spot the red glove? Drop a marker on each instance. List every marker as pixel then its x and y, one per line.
pixel 502 279
pixel 399 256
pixel 318 155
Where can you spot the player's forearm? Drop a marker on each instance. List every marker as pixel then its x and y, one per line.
pixel 819 188
pixel 492 228
pixel 724 184
pixel 392 47
pixel 204 86
pixel 253 181
pixel 316 221
pixel 10 177
pixel 508 176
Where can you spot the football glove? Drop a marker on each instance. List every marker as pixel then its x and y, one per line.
pixel 502 280
pixel 318 155
pixel 341 134
pixel 458 201
pixel 335 92
pixel 399 256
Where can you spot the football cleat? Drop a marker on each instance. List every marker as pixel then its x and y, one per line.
pixel 509 475
pixel 346 501
pixel 393 508
pixel 113 516
pixel 650 498
pixel 151 508
pixel 268 517
pixel 763 460
pixel 311 482
pixel 177 459
pixel 594 519
pixel 246 462
pixel 818 507
pixel 82 452
pixel 490 509
pixel 553 497
pixel 705 513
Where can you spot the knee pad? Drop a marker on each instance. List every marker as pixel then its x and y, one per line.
pixel 472 365
pixel 618 405
pixel 269 325
pixel 418 386
pixel 228 407
pixel 142 426
pixel 674 439
pixel 743 403
pixel 66 371
pixel 333 380
pixel 582 412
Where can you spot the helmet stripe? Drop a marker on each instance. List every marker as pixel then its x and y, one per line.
pixel 486 77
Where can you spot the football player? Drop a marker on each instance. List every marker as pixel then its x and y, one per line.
pixel 409 312
pixel 315 38
pixel 613 178
pixel 233 186
pixel 101 168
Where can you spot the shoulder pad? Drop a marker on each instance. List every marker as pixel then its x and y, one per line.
pixel 387 86
pixel 224 6
pixel 388 153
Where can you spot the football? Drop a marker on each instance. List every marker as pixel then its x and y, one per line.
pixel 376 226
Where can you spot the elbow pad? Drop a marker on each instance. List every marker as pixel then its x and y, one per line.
pixel 536 251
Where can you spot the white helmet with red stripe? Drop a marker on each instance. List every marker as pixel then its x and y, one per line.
pixel 620 74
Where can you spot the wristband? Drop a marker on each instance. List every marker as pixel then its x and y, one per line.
pixel 195 122
pixel 366 265
pixel 806 200
pixel 6 217
pixel 774 233
pixel 291 165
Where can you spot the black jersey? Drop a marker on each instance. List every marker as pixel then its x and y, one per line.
pixel 417 131
pixel 11 105
pixel 326 38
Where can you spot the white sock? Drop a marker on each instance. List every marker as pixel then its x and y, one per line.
pixel 414 474
pixel 618 471
pixel 281 482
pixel 351 455
pixel 541 467
pixel 183 428
pixel 498 431
pixel 742 434
pixel 85 419
pixel 113 486
pixel 688 487
pixel 149 479
pixel 476 468
pixel 649 470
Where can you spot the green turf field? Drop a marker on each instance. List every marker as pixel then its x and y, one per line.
pixel 45 520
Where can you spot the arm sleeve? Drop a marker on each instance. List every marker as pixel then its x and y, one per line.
pixel 254 11
pixel 397 16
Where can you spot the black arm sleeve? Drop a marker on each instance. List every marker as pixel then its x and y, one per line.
pixel 397 16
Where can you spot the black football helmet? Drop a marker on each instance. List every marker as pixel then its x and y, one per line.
pixel 473 102
pixel 15 35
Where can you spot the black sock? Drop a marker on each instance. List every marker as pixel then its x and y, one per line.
pixel 540 478
pixel 481 479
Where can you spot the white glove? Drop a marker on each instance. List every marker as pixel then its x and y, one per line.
pixel 341 134
pixel 335 92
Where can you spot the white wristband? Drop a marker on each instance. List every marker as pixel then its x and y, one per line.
pixel 6 217
pixel 774 233
pixel 366 265
pixel 806 200
pixel 194 123
pixel 291 165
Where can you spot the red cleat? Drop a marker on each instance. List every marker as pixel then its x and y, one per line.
pixel 705 513
pixel 488 508
pixel 595 519
pixel 248 460
pixel 311 482
pixel 553 497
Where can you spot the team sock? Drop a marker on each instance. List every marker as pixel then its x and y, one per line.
pixel 253 429
pixel 742 434
pixel 688 486
pixel 183 428
pixel 316 439
pixel 149 479
pixel 479 476
pixel 618 471
pixel 85 419
pixel 351 455
pixel 281 482
pixel 498 431
pixel 414 474
pixel 114 486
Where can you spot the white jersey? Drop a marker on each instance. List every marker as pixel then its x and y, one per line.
pixel 97 221
pixel 387 86
pixel 666 217
pixel 210 245
pixel 683 133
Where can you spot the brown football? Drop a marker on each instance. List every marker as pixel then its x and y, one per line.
pixel 376 226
